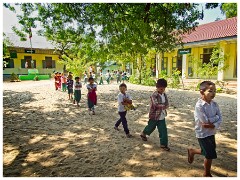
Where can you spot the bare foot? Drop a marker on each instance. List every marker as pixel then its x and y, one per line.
pixel 190 156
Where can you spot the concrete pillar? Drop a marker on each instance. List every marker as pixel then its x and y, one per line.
pixel 184 66
pixel 157 65
pixel 220 76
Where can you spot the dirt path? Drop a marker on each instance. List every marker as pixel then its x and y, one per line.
pixel 45 135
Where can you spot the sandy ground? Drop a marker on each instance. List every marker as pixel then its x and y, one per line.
pixel 45 135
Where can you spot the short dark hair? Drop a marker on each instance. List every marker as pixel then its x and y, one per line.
pixel 77 78
pixel 123 85
pixel 91 78
pixel 161 83
pixel 203 85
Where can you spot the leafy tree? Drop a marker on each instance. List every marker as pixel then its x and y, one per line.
pixel 109 31
pixel 6 53
pixel 229 9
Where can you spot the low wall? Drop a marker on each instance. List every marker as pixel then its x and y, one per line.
pixel 31 77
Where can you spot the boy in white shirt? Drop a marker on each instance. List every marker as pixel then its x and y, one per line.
pixel 207 119
pixel 123 99
pixel 77 90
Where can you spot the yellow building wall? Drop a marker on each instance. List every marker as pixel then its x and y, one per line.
pixel 38 56
pixel 230 51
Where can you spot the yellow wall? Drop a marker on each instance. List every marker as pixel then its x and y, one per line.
pixel 229 48
pixel 38 56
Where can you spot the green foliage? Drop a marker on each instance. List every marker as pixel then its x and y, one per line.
pixel 163 74
pixel 134 80
pixel 212 68
pixel 36 78
pixel 175 79
pixel 109 31
pixel 14 77
pixel 229 9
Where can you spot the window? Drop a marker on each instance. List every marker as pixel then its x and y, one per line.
pixel 174 63
pixel 205 57
pixel 27 62
pixel 48 63
pixel 9 63
pixel 190 66
pixel 13 54
pixel 164 63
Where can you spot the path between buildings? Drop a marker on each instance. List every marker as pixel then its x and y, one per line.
pixel 45 135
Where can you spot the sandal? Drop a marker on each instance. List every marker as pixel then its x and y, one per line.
pixel 144 138
pixel 190 159
pixel 129 135
pixel 116 128
pixel 165 148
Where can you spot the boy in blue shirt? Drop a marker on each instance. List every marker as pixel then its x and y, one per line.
pixel 207 119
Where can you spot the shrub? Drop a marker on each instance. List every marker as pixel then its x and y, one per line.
pixel 36 78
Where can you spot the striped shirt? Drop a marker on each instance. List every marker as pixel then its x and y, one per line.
pixel 157 106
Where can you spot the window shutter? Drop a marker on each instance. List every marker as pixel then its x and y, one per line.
pixel 43 63
pixel 53 64
pixel 11 63
pixel 34 62
pixel 23 63
pixel 13 54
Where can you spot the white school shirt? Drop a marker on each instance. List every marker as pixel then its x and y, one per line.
pixel 205 113
pixel 91 86
pixel 163 113
pixel 77 85
pixel 120 100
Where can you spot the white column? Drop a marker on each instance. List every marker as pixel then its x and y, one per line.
pixel 220 76
pixel 184 66
pixel 157 65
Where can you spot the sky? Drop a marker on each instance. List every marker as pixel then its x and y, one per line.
pixel 10 19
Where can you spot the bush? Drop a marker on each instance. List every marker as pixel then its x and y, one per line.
pixel 14 77
pixel 36 78
pixel 149 82
pixel 133 80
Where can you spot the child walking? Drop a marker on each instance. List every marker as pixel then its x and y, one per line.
pixel 77 91
pixel 91 96
pixel 207 119
pixel 85 77
pixel 64 82
pixel 157 114
pixel 124 99
pixel 70 87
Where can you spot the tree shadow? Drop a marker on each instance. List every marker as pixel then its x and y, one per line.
pixel 61 140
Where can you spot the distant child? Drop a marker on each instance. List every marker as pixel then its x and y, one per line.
pixel 70 87
pixel 64 82
pixel 108 76
pixel 118 77
pixel 101 77
pixel 85 77
pixel 56 80
pixel 59 80
pixel 157 114
pixel 77 91
pixel 207 120
pixel 123 100
pixel 92 96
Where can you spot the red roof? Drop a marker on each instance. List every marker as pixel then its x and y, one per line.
pixel 213 30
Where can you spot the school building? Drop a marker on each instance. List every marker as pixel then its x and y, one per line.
pixel 41 57
pixel 199 45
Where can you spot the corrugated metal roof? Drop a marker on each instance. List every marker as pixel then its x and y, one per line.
pixel 213 30
pixel 38 42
